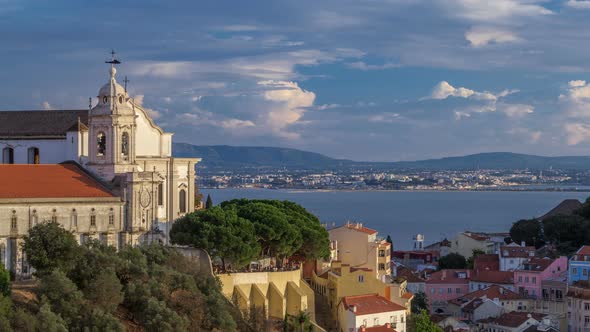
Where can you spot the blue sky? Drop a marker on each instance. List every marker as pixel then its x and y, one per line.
pixel 364 80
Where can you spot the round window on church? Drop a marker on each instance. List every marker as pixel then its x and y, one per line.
pixel 104 99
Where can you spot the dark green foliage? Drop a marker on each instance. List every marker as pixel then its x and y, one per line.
pixel 208 202
pixel 419 303
pixel 422 323
pixel 220 232
pixel 49 246
pixel 4 281
pixel 568 233
pixel 529 231
pixel 155 287
pixel 452 261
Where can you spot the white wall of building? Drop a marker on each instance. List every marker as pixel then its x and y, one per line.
pixel 396 318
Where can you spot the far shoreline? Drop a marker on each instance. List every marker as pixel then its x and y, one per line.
pixel 303 190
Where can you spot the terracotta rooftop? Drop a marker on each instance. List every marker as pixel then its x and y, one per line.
pixel 65 180
pixel 48 124
pixel 537 264
pixel 450 276
pixel 497 277
pixel 359 227
pixel 408 274
pixel 517 251
pixel 585 250
pixel 492 292
pixel 476 236
pixel 370 304
pixel 382 328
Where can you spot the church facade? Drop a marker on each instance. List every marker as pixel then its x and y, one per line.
pixel 105 173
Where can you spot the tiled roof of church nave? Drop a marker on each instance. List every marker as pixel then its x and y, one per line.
pixel 65 180
pixel 47 124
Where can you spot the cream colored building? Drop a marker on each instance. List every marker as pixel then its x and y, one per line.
pixel 359 247
pixel 464 244
pixel 119 147
pixel 370 310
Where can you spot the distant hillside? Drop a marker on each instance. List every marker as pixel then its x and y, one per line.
pixel 247 156
pixel 232 157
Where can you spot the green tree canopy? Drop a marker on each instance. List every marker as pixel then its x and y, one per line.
pixel 419 303
pixel 529 231
pixel 452 261
pixel 208 202
pixel 422 323
pixel 49 246
pixel 471 260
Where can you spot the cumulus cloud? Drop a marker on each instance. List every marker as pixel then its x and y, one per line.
pixel 515 110
pixel 288 104
pixel 577 133
pixel 482 36
pixel 385 118
pixel 444 90
pixel 46 106
pixel 151 112
pixel 495 11
pixel 577 99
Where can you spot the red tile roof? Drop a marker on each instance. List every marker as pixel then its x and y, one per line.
pixel 370 304
pixel 382 328
pixel 49 181
pixel 450 276
pixel 359 227
pixel 537 264
pixel 408 274
pixel 585 250
pixel 496 277
pixel 492 292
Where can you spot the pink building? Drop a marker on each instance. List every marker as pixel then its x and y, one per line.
pixel 446 285
pixel 528 278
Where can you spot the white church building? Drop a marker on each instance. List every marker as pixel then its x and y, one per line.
pixel 105 173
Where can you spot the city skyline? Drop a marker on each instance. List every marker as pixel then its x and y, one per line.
pixel 376 81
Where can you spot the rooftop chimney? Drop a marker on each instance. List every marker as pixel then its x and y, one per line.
pixel 387 325
pixel 523 244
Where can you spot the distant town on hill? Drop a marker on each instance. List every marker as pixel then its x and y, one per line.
pixel 231 157
pixel 283 168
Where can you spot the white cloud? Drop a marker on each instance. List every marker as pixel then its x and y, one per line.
pixel 384 118
pixel 496 10
pixel 579 4
pixel 364 66
pixel 46 106
pixel 577 99
pixel 460 115
pixel 482 36
pixel 516 110
pixel 288 104
pixel 327 106
pixel 151 112
pixel 443 90
pixel 577 133
pixel 236 123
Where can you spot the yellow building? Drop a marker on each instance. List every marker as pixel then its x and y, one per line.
pixel 344 280
pixel 278 293
pixel 359 247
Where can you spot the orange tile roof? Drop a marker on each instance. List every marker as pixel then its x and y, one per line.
pixel 360 228
pixel 498 277
pixel 382 328
pixel 450 276
pixel 585 250
pixel 49 181
pixel 492 292
pixel 370 304
pixel 408 295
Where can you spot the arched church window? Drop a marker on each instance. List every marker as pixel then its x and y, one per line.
pixel 104 99
pixel 120 99
pixel 33 155
pixel 8 155
pixel 101 144
pixel 182 201
pixel 13 220
pixel 125 144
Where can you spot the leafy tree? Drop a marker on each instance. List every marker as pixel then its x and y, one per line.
pixel 96 320
pixel 208 202
pixel 568 233
pixel 422 323
pixel 4 281
pixel 419 303
pixel 23 320
pixel 452 261
pixel 529 231
pixel 220 232
pixel 105 291
pixel 48 321
pixel 63 296
pixel 49 246
pixel 471 260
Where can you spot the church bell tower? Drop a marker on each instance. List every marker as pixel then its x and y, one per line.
pixel 112 129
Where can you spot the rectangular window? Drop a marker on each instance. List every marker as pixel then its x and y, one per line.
pixel 526 280
pixel 458 290
pixel 74 220
pixel 381 253
pixel 449 291
pixel 111 219
pixel 584 272
pixel 93 220
pixel 13 222
pixel 519 278
pixel 361 278
pixel 161 194
pixel 440 290
pixel 432 291
pixel 575 270
pixel 381 266
pixel 586 306
pixel 534 280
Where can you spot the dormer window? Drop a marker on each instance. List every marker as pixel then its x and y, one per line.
pixel 105 99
